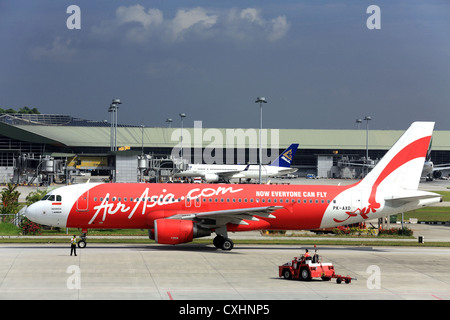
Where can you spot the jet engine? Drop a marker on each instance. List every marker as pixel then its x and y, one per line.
pixel 172 231
pixel 211 177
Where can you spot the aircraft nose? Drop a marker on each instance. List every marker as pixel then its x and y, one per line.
pixel 29 212
pixel 33 212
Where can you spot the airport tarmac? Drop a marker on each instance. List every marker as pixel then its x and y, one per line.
pixel 200 272
pixel 248 272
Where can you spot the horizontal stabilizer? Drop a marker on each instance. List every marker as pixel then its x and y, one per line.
pixel 411 196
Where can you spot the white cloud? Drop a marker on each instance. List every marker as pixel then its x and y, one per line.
pixel 252 15
pixel 279 27
pixel 137 13
pixel 187 19
pixel 140 25
pixel 59 50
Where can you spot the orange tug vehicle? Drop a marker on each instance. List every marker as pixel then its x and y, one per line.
pixel 307 268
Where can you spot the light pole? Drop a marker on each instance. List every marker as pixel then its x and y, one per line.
pixel 169 121
pixel 113 108
pixel 367 118
pixel 260 100
pixel 182 116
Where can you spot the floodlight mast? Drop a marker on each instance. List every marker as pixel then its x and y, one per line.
pixel 182 116
pixel 260 100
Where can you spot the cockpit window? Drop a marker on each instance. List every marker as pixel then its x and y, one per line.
pixel 52 197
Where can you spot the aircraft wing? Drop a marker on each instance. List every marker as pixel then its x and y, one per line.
pixel 229 174
pixel 235 216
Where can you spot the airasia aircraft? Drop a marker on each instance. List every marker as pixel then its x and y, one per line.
pixel 178 213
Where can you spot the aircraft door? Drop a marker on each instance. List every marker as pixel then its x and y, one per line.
pixel 198 202
pixel 195 202
pixel 82 199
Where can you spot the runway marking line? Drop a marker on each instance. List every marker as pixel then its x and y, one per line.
pixel 170 296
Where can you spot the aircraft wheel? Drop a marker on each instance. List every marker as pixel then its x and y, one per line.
pixel 82 244
pixel 218 240
pixel 227 244
pixel 287 274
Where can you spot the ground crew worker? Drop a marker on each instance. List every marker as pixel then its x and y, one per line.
pixel 307 255
pixel 73 245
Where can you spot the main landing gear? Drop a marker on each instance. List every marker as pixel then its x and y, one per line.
pixel 223 242
pixel 82 241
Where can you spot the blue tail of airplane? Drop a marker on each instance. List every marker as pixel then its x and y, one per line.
pixel 286 157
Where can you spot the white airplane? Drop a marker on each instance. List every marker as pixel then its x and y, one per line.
pixel 431 171
pixel 215 172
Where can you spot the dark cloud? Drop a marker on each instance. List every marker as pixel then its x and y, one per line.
pixel 317 64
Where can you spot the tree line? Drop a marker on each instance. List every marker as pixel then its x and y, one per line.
pixel 24 110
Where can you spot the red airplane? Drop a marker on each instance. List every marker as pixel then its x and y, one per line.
pixel 178 213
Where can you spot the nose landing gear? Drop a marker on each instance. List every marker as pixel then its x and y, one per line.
pixel 82 242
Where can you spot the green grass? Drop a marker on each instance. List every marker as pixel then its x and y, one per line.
pixel 434 214
pixel 8 229
pixel 445 195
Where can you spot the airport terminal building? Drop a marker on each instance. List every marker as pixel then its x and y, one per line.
pixel 44 148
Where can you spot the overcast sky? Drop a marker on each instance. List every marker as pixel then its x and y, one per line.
pixel 316 62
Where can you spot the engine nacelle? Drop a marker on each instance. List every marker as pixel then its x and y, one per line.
pixel 211 177
pixel 172 231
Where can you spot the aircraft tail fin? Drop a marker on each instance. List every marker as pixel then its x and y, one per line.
pixel 286 157
pixel 401 167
